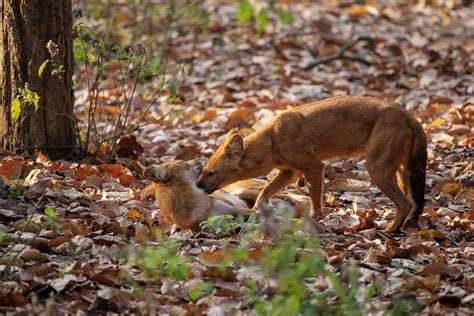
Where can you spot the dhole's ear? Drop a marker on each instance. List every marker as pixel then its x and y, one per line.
pixel 155 174
pixel 198 163
pixel 234 143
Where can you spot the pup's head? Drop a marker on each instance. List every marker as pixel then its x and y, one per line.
pixel 175 170
pixel 224 165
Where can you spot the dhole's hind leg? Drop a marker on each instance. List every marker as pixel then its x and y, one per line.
pixel 314 178
pixel 384 175
pixel 279 182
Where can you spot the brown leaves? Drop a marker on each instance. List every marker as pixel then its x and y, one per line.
pixel 108 277
pixel 441 269
pixel 71 228
pixel 135 214
pixel 214 257
pixel 100 221
pixel 128 147
pixel 118 172
pixel 431 234
pixel 33 255
pixel 11 169
pixel 13 299
pixel 7 216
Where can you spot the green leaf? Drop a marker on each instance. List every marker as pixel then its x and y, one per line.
pixel 244 12
pixel 79 54
pixel 79 43
pixel 50 212
pixel 180 272
pixel 16 109
pixel 200 290
pixel 285 16
pixel 101 69
pixel 262 20
pixel 173 89
pixel 42 67
pixel 28 96
pixel 58 70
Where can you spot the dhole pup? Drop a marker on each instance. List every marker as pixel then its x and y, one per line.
pixel 181 201
pixel 298 140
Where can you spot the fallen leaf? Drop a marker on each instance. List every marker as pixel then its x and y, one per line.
pixel 361 10
pixel 108 277
pixel 60 284
pixel 440 268
pixel 11 169
pixel 135 214
pixel 33 255
pixel 129 147
pixel 431 234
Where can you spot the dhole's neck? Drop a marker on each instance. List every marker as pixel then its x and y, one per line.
pixel 257 158
pixel 182 199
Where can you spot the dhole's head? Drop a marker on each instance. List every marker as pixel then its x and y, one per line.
pixel 224 165
pixel 172 171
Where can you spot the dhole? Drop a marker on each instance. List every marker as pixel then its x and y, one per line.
pixel 181 201
pixel 298 140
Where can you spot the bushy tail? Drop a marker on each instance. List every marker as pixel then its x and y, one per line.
pixel 417 169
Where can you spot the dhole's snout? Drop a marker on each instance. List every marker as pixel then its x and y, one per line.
pixel 201 185
pixel 207 188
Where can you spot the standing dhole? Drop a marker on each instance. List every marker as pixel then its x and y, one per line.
pixel 297 141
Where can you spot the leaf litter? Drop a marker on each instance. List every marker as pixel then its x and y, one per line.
pixel 102 248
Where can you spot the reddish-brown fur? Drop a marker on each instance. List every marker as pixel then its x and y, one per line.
pixel 298 140
pixel 181 201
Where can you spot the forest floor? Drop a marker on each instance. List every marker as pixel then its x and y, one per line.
pixel 75 235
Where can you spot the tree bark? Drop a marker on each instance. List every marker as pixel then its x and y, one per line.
pixel 27 26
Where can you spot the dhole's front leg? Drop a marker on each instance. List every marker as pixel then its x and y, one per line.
pixel 314 178
pixel 279 182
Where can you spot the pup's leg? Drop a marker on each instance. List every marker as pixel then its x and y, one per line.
pixel 248 195
pixel 314 178
pixel 279 182
pixel 222 208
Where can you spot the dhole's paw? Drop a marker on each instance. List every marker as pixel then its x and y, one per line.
pixel 262 206
pixel 392 228
pixel 410 226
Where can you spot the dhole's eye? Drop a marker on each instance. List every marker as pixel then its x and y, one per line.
pixel 211 173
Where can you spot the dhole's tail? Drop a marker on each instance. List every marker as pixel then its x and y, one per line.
pixel 417 169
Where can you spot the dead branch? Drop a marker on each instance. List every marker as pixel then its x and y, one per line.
pixel 341 54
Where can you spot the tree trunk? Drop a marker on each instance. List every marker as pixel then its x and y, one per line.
pixel 33 31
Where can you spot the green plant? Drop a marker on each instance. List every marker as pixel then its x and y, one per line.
pixel 294 262
pixel 163 259
pixel 220 225
pixel 199 290
pixel 52 217
pixel 403 306
pixel 4 237
pixel 25 96
pixel 246 12
pixel 17 188
pixel 92 51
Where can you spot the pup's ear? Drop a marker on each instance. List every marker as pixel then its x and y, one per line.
pixel 198 163
pixel 234 143
pixel 155 174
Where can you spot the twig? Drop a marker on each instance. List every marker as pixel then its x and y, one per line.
pixel 341 55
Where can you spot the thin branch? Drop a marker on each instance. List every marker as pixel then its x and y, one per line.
pixel 341 54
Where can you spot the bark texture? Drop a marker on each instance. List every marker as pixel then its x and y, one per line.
pixel 27 26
